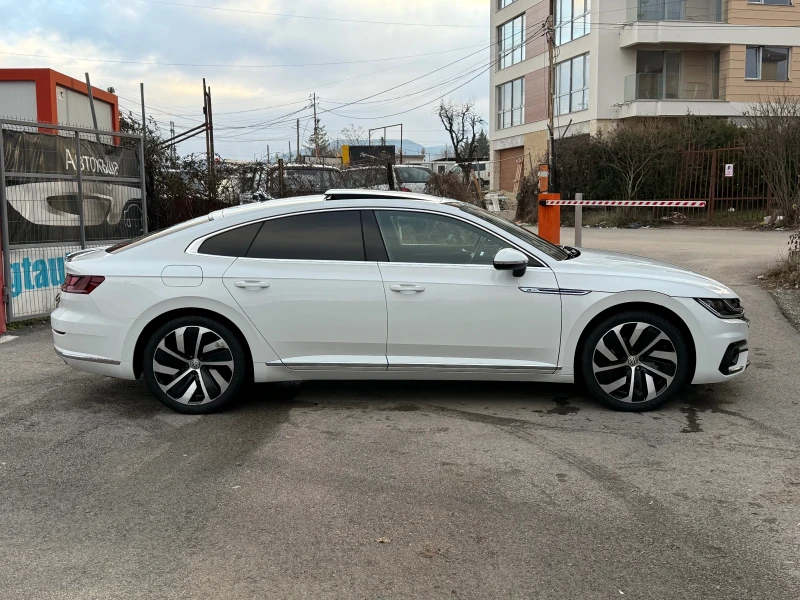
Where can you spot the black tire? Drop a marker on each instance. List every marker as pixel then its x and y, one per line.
pixel 208 361
pixel 650 354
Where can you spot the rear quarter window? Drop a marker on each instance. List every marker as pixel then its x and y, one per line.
pixel 234 242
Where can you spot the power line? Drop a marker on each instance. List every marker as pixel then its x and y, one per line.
pixel 314 18
pixel 221 65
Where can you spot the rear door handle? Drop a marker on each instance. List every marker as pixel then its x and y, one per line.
pixel 407 288
pixel 250 284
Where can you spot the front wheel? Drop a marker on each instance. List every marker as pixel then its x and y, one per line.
pixel 194 365
pixel 635 361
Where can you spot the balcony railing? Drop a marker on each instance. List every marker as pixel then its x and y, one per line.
pixel 666 86
pixel 677 10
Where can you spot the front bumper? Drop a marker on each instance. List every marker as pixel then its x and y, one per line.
pixel 714 340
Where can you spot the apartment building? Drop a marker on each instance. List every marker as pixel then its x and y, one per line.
pixel 626 59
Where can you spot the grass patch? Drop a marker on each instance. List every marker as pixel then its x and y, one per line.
pixel 21 325
pixel 786 274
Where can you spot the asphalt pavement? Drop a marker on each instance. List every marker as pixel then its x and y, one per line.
pixel 412 490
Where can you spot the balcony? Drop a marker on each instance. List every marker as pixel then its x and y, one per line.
pixel 704 11
pixel 674 86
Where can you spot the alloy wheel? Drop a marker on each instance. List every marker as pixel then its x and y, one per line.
pixel 193 365
pixel 635 362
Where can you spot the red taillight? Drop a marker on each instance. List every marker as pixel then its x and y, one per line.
pixel 404 189
pixel 81 284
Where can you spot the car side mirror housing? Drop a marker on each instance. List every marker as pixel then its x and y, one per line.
pixel 509 259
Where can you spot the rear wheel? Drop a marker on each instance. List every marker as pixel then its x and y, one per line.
pixel 194 365
pixel 635 361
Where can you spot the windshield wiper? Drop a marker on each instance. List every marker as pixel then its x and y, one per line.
pixel 571 252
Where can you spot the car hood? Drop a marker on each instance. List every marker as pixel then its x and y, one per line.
pixel 602 271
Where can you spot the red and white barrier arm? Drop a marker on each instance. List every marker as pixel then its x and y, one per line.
pixel 667 203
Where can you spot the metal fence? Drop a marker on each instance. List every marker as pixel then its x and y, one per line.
pixel 62 189
pixel 733 187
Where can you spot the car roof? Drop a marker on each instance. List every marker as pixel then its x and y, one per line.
pixel 381 195
pixel 331 195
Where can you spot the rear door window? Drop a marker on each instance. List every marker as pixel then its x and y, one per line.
pixel 328 235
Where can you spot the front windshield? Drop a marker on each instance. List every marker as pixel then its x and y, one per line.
pixel 525 235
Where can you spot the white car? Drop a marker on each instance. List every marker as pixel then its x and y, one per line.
pixel 359 284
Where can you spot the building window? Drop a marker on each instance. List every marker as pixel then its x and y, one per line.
pixel 572 20
pixel 510 103
pixel 572 85
pixel 511 42
pixel 767 63
pixel 504 3
pixel 773 2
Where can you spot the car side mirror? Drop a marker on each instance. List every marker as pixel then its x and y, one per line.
pixel 508 259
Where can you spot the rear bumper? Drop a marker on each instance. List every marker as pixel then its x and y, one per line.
pixel 89 341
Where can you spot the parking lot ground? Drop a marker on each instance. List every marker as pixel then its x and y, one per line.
pixel 412 490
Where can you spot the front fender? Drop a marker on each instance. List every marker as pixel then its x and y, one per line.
pixel 577 312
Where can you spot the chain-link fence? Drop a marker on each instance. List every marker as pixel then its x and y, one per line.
pixel 62 189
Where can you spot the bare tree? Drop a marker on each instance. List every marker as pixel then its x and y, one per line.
pixel 463 124
pixel 773 144
pixel 634 150
pixel 354 135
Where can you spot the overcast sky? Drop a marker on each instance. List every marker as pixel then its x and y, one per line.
pixel 252 103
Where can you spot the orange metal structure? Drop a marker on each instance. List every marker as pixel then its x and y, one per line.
pixel 46 81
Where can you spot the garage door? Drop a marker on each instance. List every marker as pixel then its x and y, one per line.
pixel 508 167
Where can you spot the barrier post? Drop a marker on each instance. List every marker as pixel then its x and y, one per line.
pixel 550 219
pixel 578 221
pixel 549 216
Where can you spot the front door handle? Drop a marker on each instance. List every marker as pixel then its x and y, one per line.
pixel 407 288
pixel 250 284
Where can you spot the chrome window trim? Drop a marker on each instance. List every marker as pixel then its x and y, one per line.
pixel 193 247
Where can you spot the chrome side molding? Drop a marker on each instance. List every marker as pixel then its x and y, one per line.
pixel 558 291
pixel 66 354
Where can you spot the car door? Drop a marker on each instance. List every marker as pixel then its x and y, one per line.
pixel 450 309
pixel 306 286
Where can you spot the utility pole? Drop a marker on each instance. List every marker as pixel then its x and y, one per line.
pixel 298 143
pixel 267 153
pixel 211 129
pixel 172 135
pixel 551 92
pixel 91 105
pixel 205 124
pixel 316 134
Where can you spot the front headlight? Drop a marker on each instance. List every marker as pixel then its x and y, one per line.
pixel 727 308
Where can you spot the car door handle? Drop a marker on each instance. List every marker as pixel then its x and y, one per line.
pixel 250 284
pixel 407 288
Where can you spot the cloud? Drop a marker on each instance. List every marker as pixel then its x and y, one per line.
pixel 151 32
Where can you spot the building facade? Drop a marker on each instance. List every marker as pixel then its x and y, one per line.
pixel 48 96
pixel 628 59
